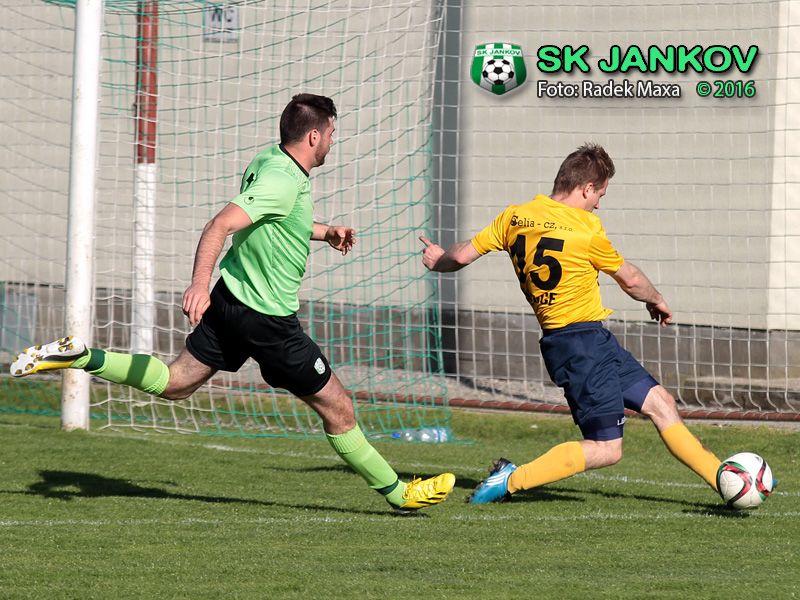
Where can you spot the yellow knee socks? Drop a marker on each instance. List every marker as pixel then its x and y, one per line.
pixel 559 462
pixel 688 449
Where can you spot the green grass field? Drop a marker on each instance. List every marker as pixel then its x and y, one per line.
pixel 126 515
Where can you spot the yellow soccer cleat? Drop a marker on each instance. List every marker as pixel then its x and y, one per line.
pixel 60 354
pixel 420 493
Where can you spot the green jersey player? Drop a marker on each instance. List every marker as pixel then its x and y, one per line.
pixel 251 311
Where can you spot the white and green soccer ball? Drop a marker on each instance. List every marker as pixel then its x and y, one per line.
pixel 744 480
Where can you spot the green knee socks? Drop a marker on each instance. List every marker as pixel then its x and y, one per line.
pixel 140 371
pixel 357 452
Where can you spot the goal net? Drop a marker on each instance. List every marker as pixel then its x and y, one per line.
pixel 704 200
pixel 220 74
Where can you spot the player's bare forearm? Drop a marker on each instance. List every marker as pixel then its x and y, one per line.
pixel 457 256
pixel 196 298
pixel 229 220
pixel 338 237
pixel 319 232
pixel 643 290
pixel 636 284
pixel 208 250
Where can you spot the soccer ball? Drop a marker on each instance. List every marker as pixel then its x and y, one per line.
pixel 744 480
pixel 498 71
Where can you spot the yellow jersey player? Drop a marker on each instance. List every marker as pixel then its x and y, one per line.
pixel 558 247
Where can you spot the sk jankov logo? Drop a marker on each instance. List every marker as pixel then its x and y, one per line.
pixel 498 67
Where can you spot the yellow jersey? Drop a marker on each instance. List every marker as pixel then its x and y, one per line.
pixel 557 252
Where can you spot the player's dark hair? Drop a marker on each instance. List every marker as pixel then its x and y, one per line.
pixel 304 113
pixel 588 164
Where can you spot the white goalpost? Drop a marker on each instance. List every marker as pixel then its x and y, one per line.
pixel 80 229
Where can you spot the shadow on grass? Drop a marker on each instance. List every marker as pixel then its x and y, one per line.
pixel 67 485
pixel 545 494
pixel 340 468
pixel 716 510
pixel 558 494
pixel 542 494
pixel 700 508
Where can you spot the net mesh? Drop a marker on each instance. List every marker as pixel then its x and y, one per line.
pixel 704 199
pixel 225 72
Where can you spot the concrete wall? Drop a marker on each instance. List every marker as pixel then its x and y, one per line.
pixel 700 199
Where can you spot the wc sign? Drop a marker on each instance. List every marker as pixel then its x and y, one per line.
pixel 221 23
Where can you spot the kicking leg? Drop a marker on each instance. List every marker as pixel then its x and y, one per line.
pixel 186 374
pixel 149 374
pixel 335 407
pixel 140 371
pixel 660 407
pixel 566 460
pixel 560 462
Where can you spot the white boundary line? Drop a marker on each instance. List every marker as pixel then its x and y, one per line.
pixel 598 516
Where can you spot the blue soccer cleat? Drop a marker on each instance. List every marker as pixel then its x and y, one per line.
pixel 495 487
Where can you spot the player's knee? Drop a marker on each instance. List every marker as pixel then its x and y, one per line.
pixel 659 404
pixel 613 455
pixel 339 417
pixel 667 400
pixel 609 453
pixel 602 454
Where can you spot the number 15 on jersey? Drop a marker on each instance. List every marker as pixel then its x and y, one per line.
pixel 531 277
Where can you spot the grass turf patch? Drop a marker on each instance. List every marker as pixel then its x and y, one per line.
pixel 99 515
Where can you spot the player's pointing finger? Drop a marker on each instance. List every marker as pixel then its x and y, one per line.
pixel 425 240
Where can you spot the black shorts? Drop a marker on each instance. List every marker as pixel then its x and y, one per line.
pixel 230 332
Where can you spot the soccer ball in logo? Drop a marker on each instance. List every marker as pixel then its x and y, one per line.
pixel 744 480
pixel 498 71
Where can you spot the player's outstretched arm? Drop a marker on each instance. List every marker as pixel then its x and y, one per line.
pixel 338 237
pixel 456 257
pixel 196 298
pixel 636 284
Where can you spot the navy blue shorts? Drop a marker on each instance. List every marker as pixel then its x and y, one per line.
pixel 230 332
pixel 599 377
